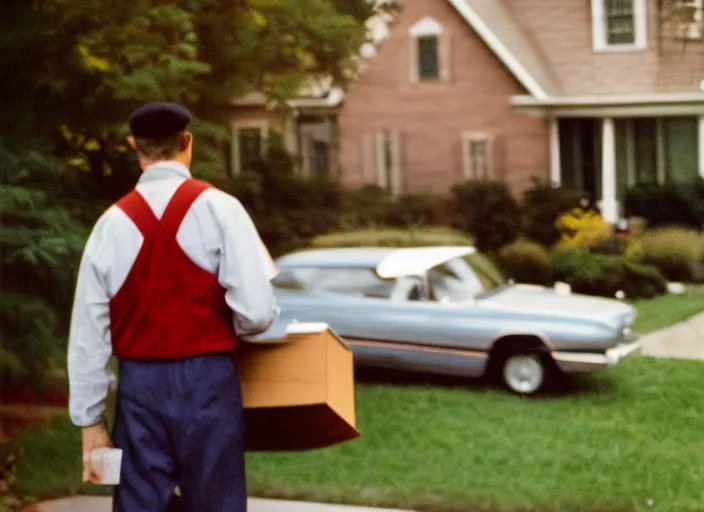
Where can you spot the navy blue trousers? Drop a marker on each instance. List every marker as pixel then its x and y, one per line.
pixel 180 423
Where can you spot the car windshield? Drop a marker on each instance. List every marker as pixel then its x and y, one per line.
pixel 463 279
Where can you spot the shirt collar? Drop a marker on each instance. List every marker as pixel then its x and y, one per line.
pixel 167 169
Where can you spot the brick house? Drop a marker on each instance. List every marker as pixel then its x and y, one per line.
pixel 597 95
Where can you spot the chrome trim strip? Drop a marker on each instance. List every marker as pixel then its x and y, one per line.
pixel 416 348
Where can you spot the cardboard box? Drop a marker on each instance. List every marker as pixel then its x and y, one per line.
pixel 297 390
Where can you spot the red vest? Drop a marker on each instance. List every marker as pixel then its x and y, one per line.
pixel 168 307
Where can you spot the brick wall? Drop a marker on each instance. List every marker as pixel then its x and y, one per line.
pixel 563 32
pixel 431 116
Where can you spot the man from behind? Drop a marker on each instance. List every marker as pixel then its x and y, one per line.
pixel 171 276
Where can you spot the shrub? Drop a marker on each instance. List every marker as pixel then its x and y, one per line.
pixel 419 210
pixel 372 206
pixel 365 207
pixel 669 204
pixel 287 209
pixel 487 210
pixel 616 245
pixel 542 206
pixel 40 247
pixel 582 229
pixel 392 238
pixel 676 252
pixel 526 262
pixel 597 274
pixel 642 281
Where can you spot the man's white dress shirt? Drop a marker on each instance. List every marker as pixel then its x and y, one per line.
pixel 217 234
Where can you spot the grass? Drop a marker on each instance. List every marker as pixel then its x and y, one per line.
pixel 666 310
pixel 611 442
pixel 617 440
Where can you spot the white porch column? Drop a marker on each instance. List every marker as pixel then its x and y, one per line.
pixel 555 169
pixel 701 146
pixel 609 204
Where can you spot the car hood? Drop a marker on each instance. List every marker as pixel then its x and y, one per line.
pixel 547 302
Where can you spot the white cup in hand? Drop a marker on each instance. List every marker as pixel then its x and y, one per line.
pixel 105 465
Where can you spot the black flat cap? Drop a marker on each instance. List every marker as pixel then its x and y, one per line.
pixel 158 120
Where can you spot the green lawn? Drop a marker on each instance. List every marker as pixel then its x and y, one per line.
pixel 609 442
pixel 654 314
pixel 613 442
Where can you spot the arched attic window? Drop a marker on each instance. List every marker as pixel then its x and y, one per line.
pixel 430 51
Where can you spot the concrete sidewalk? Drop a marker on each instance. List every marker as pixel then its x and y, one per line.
pixel 102 504
pixel 684 340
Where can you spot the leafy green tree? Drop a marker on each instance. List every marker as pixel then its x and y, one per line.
pixel 39 239
pixel 202 53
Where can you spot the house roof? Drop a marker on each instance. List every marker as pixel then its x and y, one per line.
pixel 498 28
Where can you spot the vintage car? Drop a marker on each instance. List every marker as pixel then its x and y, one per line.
pixel 446 310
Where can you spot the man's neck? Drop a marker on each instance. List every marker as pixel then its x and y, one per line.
pixel 145 163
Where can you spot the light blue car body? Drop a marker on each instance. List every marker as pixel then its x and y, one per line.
pixel 451 337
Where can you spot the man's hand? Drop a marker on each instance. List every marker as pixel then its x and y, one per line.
pixel 95 436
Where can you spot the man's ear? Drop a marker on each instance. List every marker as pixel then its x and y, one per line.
pixel 131 142
pixel 186 141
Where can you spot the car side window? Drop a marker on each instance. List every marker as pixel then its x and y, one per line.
pixel 359 282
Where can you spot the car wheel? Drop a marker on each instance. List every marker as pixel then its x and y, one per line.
pixel 524 374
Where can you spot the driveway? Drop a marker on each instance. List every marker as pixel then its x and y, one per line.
pixel 682 341
pixel 102 504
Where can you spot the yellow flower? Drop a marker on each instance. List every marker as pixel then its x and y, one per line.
pixel 580 228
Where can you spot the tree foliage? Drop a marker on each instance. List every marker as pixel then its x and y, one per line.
pixel 75 69
pixel 201 53
pixel 39 246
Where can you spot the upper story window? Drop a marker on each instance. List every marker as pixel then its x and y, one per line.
pixel 428 61
pixel 429 51
pixel 619 25
pixel 620 22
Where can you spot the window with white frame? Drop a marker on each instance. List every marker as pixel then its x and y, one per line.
pixel 619 25
pixel 477 156
pixel 689 18
pixel 429 52
pixel 247 145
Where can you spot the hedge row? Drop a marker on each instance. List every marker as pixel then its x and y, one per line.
pixel 586 272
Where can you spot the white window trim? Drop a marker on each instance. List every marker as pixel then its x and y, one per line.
pixel 236 126
pixel 599 36
pixel 426 27
pixel 467 138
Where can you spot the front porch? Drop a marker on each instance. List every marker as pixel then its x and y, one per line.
pixel 604 146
